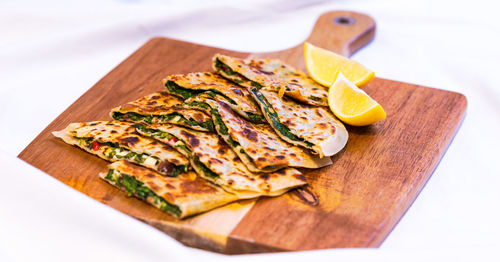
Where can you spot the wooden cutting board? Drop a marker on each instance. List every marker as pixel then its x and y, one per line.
pixel 362 195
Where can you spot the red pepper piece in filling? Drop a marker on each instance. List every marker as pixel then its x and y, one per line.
pixel 95 145
pixel 173 139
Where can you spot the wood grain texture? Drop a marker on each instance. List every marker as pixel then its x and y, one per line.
pixel 362 195
pixel 372 181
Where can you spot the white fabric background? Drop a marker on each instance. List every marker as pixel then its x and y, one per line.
pixel 51 52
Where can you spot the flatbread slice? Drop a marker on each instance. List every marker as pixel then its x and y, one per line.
pixel 274 74
pixel 116 140
pixel 257 145
pixel 182 196
pixel 161 107
pixel 312 127
pixel 213 160
pixel 193 84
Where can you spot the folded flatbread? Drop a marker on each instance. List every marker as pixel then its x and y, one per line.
pixel 274 74
pixel 312 127
pixel 162 107
pixel 213 160
pixel 257 145
pixel 182 196
pixel 193 84
pixel 116 140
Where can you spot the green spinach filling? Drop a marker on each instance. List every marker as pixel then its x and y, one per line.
pixel 223 128
pixel 116 152
pixel 196 159
pixel 224 68
pixel 204 168
pixel 187 93
pixel 214 93
pixel 255 117
pixel 238 78
pixel 198 104
pixel 218 121
pixel 284 130
pixel 208 125
pixel 184 92
pixel 224 131
pixel 132 116
pixel 226 136
pixel 204 106
pixel 139 190
pixel 164 135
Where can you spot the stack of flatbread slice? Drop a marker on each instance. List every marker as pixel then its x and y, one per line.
pixel 258 146
pixel 214 160
pixel 212 138
pixel 214 85
pixel 306 125
pixel 272 74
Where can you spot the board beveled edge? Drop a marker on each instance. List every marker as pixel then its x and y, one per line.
pixel 380 236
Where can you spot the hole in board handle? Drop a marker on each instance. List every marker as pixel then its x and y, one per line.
pixel 344 20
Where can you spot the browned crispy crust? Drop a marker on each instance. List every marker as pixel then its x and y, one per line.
pixel 232 174
pixel 263 149
pixel 162 103
pixel 122 133
pixel 275 74
pixel 316 125
pixel 189 192
pixel 237 97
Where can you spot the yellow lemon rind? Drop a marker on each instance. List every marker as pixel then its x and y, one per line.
pixel 366 116
pixel 309 61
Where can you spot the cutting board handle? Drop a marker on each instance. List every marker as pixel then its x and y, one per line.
pixel 342 32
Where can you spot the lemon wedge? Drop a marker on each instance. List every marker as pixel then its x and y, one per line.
pixel 352 105
pixel 323 65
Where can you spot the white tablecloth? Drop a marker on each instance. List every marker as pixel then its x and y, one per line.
pixel 51 52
